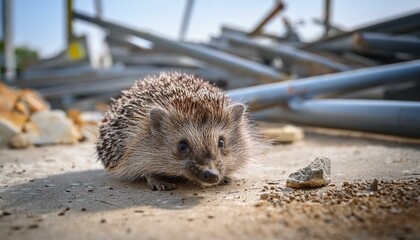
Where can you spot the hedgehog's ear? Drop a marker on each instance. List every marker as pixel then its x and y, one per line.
pixel 237 111
pixel 156 116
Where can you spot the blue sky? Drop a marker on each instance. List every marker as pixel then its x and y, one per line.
pixel 40 23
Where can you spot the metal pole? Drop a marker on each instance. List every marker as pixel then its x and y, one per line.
pixel 99 9
pixel 388 117
pixel 386 43
pixel 326 13
pixel 400 25
pixel 9 54
pixel 69 21
pixel 288 52
pixel 267 18
pixel 267 95
pixel 186 20
pixel 217 58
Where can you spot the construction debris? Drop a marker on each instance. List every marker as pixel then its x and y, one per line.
pixel 26 119
pixel 7 130
pixel 316 174
pixel 51 127
pixel 8 98
pixel 285 134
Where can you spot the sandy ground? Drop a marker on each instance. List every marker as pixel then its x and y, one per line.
pixel 61 192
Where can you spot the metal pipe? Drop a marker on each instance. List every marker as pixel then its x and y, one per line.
pixel 403 24
pixel 69 21
pixel 99 9
pixel 288 52
pixel 186 20
pixel 267 18
pixel 384 42
pixel 214 57
pixel 326 13
pixel 387 117
pixel 9 51
pixel 267 95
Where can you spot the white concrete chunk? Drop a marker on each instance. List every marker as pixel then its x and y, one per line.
pixel 316 174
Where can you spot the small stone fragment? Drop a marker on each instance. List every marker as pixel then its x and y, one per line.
pixel 6 213
pixel 264 196
pixel 316 174
pixel 33 226
pixel 20 140
pixel 374 185
pixel 16 227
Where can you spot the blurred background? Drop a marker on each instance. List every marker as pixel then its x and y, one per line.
pixel 298 61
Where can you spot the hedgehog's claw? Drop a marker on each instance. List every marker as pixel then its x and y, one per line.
pixel 160 185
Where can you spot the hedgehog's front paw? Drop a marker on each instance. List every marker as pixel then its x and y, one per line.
pixel 158 184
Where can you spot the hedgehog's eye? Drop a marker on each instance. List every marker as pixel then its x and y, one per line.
pixel 183 146
pixel 221 143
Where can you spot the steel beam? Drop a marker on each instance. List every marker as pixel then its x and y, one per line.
pixel 267 95
pixel 211 56
pixel 287 52
pixel 387 117
pixel 368 41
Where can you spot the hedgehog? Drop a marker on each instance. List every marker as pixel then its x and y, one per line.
pixel 172 126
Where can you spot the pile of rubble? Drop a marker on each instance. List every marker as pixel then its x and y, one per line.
pixel 26 119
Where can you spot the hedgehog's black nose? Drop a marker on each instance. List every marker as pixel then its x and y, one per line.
pixel 210 176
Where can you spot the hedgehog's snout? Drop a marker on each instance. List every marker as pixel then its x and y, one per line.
pixel 205 173
pixel 209 176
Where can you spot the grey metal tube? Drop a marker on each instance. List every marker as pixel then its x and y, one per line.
pixel 387 117
pixel 384 42
pixel 186 20
pixel 214 57
pixel 8 35
pixel 288 52
pixel 271 94
pixel 326 13
pixel 403 24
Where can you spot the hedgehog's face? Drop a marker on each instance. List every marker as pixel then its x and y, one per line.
pixel 203 151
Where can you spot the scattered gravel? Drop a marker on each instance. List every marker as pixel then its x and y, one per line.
pixel 380 207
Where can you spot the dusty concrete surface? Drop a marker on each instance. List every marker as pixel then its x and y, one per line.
pixel 61 192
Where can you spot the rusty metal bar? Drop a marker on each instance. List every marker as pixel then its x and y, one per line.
pixel 267 18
